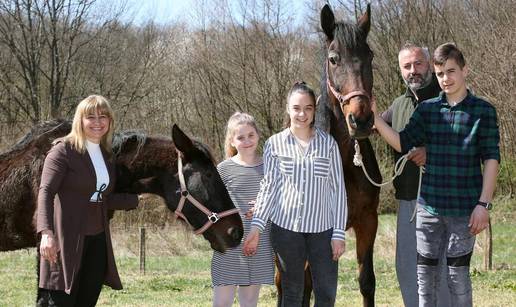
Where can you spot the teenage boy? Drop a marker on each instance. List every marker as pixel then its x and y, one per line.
pixel 459 130
pixel 421 84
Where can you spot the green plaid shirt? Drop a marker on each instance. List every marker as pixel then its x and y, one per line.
pixel 457 140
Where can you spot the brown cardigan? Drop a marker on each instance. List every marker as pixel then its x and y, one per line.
pixel 67 183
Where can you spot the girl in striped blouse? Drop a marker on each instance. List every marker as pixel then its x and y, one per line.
pixel 303 195
pixel 242 172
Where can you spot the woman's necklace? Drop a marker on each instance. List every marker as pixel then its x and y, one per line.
pixel 303 144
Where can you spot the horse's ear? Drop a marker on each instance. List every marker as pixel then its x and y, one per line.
pixel 364 22
pixel 327 21
pixel 181 140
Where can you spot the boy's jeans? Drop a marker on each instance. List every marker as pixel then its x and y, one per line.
pixel 406 259
pixel 293 249
pixel 434 234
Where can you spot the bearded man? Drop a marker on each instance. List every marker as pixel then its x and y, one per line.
pixel 421 83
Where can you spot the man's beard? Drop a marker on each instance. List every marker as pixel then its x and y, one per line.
pixel 418 81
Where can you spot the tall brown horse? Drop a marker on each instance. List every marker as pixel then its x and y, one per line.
pixel 345 110
pixel 144 165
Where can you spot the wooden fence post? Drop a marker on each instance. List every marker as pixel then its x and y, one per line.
pixel 142 250
pixel 488 248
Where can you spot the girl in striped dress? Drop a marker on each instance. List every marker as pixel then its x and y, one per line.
pixel 242 172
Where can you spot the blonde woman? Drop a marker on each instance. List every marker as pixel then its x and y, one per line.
pixel 76 190
pixel 242 172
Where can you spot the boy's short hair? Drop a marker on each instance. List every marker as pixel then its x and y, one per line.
pixel 448 51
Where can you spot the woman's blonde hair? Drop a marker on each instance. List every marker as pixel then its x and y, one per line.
pixel 239 118
pixel 89 106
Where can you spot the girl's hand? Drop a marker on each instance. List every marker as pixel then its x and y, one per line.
pixel 48 247
pixel 338 247
pixel 251 242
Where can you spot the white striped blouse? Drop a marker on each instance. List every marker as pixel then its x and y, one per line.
pixel 302 191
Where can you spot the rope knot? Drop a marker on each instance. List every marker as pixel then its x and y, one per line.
pixel 357 158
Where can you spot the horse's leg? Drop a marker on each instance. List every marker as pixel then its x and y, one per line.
pixel 277 281
pixel 307 293
pixel 308 286
pixel 365 231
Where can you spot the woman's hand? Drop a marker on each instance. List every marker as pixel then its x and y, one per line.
pixel 48 247
pixel 140 198
pixel 338 247
pixel 251 242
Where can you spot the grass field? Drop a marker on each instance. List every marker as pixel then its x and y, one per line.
pixel 178 270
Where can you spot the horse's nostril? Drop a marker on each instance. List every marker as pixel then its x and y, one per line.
pixel 234 233
pixel 352 122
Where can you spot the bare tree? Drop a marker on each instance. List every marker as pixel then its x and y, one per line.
pixel 43 39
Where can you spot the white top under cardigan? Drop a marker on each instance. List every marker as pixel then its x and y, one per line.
pixel 302 191
pixel 101 171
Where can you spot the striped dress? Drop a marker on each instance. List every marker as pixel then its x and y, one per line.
pixel 232 267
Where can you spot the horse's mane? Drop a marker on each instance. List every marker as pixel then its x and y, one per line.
pixel 43 129
pixel 121 137
pixel 350 35
pixel 205 149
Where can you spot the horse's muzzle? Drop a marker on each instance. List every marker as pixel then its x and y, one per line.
pixel 360 128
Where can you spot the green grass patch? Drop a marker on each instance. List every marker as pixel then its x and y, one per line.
pixel 182 277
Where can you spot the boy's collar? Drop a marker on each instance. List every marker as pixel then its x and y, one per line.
pixel 444 99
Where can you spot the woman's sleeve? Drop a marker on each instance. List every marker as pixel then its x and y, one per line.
pixel 120 201
pixel 267 196
pixel 339 197
pixel 54 170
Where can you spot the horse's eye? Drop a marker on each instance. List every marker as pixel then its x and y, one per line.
pixel 334 58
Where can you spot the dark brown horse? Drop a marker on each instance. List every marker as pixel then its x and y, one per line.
pixel 344 109
pixel 346 100
pixel 144 165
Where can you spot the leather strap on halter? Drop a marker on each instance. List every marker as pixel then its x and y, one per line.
pixel 212 216
pixel 343 99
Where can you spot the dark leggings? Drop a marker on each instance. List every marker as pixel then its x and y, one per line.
pixel 91 277
pixel 293 249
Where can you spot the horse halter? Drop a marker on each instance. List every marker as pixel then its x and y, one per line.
pixel 343 99
pixel 212 216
